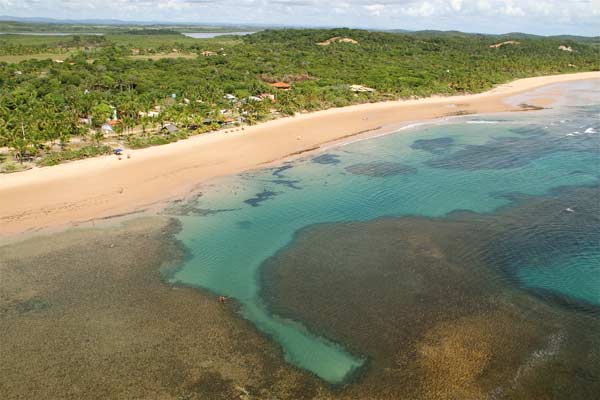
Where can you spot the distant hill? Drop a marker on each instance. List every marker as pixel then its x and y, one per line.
pixel 42 20
pixel 510 35
pixel 152 32
pixel 42 24
pixel 33 21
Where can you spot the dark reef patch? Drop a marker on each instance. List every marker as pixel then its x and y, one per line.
pixel 529 130
pixel 433 302
pixel 292 184
pixel 327 159
pixel 543 228
pixel 381 169
pixel 278 172
pixel 244 224
pixel 281 178
pixel 260 198
pixel 514 152
pixel 189 207
pixel 192 210
pixel 435 146
pixel 31 305
pixel 80 319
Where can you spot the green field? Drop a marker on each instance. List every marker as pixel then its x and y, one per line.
pixel 160 56
pixel 40 56
pixel 152 41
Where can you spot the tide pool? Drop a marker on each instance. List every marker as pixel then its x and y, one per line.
pixel 239 222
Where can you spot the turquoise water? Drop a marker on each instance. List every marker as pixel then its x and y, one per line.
pixel 577 276
pixel 477 164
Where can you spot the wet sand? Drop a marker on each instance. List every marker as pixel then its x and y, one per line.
pixel 84 190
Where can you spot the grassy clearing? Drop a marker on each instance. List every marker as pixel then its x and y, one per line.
pixel 223 41
pixel 41 56
pixel 161 56
pixel 151 41
pixel 33 40
pixel 171 41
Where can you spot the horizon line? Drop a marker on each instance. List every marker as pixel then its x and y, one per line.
pixel 122 22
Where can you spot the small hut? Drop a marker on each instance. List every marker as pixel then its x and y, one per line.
pixel 281 85
pixel 169 129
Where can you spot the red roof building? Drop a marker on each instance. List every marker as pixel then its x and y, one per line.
pixel 281 85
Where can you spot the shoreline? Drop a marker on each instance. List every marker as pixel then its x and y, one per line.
pixel 81 191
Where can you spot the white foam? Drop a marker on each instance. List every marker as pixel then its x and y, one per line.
pixel 535 359
pixel 570 134
pixel 482 122
pixel 539 356
pixel 385 133
pixel 590 130
pixel 569 210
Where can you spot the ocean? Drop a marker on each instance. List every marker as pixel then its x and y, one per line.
pixel 370 260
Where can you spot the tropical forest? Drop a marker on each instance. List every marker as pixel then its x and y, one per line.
pixel 80 95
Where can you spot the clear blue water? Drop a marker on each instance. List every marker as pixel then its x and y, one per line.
pixel 476 164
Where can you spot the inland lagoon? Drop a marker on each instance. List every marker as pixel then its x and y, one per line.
pixel 457 257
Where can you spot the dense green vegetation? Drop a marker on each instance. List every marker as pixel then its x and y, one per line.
pixel 55 158
pixel 30 44
pixel 45 102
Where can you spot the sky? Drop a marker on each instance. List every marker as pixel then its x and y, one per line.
pixel 546 17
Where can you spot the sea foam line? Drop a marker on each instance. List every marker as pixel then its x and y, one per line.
pixel 535 359
pixel 482 121
pixel 385 133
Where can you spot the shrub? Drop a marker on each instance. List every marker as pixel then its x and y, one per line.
pixel 55 158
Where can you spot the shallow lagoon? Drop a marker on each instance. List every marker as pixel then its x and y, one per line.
pixel 240 222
